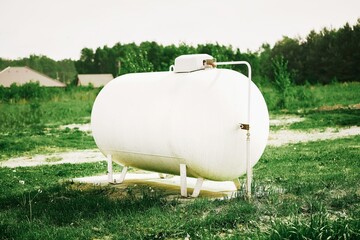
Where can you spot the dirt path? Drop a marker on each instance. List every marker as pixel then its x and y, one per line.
pixel 80 156
pixel 276 138
pixel 281 137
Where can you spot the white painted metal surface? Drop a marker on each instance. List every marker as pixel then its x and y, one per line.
pixel 191 62
pixel 157 121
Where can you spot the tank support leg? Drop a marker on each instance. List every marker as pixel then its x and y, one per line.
pixel 237 183
pixel 197 187
pixel 109 169
pixel 183 185
pixel 123 173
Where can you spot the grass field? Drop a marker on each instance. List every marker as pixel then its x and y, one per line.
pixel 300 191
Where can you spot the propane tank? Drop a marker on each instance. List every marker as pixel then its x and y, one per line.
pixel 194 115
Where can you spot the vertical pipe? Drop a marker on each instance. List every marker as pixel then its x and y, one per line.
pixel 248 166
pixel 248 163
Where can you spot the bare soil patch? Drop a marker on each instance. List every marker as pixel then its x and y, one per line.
pixel 339 106
pixel 80 156
pixel 285 120
pixel 276 138
pixel 281 137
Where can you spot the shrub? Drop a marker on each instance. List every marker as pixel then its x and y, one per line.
pixel 282 81
pixel 290 96
pixel 28 91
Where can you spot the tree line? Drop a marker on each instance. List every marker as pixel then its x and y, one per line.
pixel 63 70
pixel 321 57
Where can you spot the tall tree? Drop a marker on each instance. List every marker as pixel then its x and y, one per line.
pixel 86 63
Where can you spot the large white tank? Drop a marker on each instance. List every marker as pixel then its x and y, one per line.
pixel 157 121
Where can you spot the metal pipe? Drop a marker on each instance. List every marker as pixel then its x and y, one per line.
pixel 248 164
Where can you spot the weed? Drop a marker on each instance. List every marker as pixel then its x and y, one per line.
pixel 27 201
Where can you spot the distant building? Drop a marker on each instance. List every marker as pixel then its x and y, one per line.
pixel 22 75
pixel 96 80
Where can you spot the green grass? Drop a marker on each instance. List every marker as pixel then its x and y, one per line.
pixel 31 126
pixel 301 190
pixel 30 143
pixel 334 118
pixel 310 97
pixel 337 94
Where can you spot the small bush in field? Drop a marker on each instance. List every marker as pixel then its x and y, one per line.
pixel 289 96
pixel 282 81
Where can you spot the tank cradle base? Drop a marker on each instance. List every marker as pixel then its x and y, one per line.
pixel 183 177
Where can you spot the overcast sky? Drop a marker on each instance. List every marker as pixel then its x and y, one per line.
pixel 60 29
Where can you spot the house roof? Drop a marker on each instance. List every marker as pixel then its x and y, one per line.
pixel 97 80
pixel 22 75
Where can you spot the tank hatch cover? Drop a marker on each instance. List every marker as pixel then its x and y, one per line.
pixel 193 62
